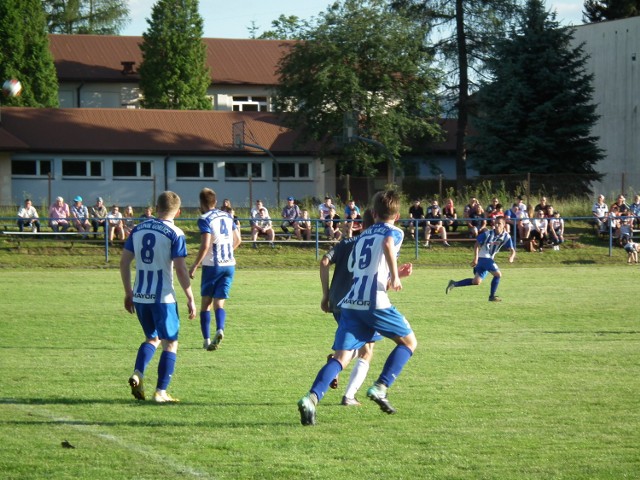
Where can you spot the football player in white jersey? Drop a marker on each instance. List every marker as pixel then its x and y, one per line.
pixel 157 245
pixel 487 245
pixel 219 237
pixel 366 309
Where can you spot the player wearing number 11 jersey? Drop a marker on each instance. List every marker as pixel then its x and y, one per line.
pixel 367 308
pixel 219 237
pixel 157 245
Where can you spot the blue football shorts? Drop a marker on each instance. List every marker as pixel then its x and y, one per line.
pixel 216 281
pixel 484 266
pixel 159 320
pixel 357 327
pixel 336 315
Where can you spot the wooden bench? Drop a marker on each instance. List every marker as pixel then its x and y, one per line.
pixel 72 236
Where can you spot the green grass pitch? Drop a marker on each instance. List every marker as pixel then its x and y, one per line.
pixel 544 385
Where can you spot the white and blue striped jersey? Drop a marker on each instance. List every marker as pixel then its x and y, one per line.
pixel 220 225
pixel 155 243
pixel 491 243
pixel 370 270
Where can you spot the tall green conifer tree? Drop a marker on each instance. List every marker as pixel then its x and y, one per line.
pixel 174 73
pixel 537 113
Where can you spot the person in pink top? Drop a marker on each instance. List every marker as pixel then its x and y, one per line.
pixel 59 215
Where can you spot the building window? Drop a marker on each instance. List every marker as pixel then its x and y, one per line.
pixel 194 170
pixel 131 169
pixel 250 104
pixel 292 170
pixel 81 168
pixel 243 170
pixel 31 168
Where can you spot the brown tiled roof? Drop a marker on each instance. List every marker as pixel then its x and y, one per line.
pixel 123 131
pixel 98 58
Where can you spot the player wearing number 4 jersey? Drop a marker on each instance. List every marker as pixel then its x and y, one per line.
pixel 219 237
pixel 367 309
pixel 156 245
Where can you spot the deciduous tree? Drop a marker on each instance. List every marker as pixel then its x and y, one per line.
pixel 360 56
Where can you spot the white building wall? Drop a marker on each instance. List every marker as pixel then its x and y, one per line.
pixel 614 51
pixel 142 191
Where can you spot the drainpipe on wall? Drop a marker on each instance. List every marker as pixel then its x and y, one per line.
pixel 166 178
pixel 78 100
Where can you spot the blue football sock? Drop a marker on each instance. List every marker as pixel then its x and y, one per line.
pixel 145 354
pixel 205 323
pixel 166 367
pixel 327 373
pixel 465 283
pixel 396 361
pixel 494 285
pixel 221 316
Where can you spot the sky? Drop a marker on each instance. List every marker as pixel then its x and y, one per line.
pixel 232 18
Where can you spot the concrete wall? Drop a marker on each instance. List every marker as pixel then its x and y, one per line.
pixel 614 50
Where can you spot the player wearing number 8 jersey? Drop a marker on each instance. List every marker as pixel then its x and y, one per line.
pixel 157 246
pixel 367 308
pixel 219 237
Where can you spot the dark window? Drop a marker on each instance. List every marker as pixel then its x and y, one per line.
pixel 72 168
pixel 96 169
pixel 145 169
pixel 303 170
pixel 28 167
pixel 125 169
pixel 207 170
pixel 287 170
pixel 236 170
pixel 188 169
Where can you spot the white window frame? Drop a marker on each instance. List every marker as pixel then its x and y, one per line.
pixel 87 168
pixel 239 105
pixel 138 169
pixel 296 175
pixel 38 162
pixel 201 164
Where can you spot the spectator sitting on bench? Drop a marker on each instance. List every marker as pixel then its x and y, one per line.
pixel 290 214
pixel 128 220
pixel 416 214
pixel 434 224
pixel 147 215
pixel 99 216
pixel 353 220
pixel 450 221
pixel 59 215
pixel 80 216
pixel 626 228
pixel 262 226
pixel 332 225
pixel 305 225
pixel 28 217
pixel 556 227
pixel 540 229
pixel 116 225
pixel 600 213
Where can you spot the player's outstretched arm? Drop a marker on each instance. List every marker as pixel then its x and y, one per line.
pixel 125 274
pixel 185 282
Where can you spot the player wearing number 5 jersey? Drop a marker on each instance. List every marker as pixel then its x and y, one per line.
pixel 157 245
pixel 367 308
pixel 219 237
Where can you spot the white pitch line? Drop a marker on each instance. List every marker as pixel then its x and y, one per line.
pixel 94 431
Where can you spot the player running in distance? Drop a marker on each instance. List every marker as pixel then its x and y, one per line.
pixel 366 309
pixel 219 237
pixel 487 245
pixel 157 245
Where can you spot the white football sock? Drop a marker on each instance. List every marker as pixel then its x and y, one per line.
pixel 358 375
